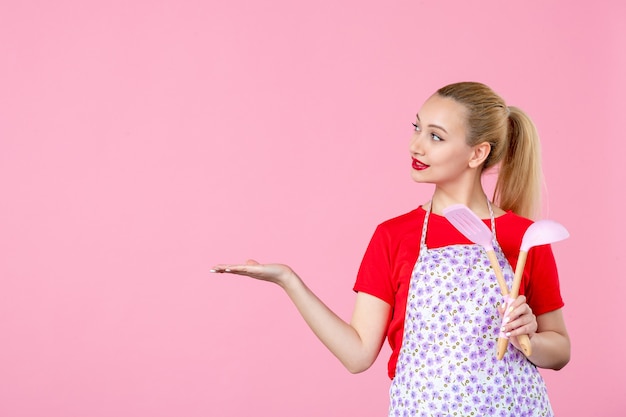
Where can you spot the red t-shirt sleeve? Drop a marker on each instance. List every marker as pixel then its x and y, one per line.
pixel 374 275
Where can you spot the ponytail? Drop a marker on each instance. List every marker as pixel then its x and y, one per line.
pixel 514 145
pixel 518 187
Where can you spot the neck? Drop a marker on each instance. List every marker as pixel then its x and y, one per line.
pixel 473 197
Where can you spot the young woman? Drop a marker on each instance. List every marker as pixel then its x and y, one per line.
pixel 432 293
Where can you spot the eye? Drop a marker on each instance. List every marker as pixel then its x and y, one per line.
pixel 436 137
pixel 416 127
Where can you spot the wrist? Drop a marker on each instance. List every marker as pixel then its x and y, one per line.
pixel 289 280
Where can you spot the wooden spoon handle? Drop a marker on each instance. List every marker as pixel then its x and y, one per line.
pixel 504 289
pixel 503 343
pixel 523 339
pixel 524 342
pixel 519 271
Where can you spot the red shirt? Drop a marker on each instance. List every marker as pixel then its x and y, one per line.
pixel 389 259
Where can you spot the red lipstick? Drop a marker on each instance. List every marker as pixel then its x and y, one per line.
pixel 418 165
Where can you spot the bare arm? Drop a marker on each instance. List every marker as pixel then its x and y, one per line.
pixel 548 335
pixel 551 344
pixel 355 344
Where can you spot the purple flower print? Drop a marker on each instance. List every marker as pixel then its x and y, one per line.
pixel 449 355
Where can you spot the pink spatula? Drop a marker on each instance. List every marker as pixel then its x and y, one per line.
pixel 473 228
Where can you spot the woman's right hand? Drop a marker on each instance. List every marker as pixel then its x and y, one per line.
pixel 276 273
pixel 357 343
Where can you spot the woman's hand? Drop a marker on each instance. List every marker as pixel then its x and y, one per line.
pixel 518 320
pixel 355 344
pixel 276 273
pixel 547 333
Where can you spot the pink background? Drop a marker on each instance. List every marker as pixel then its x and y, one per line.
pixel 141 142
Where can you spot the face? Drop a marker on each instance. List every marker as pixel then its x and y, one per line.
pixel 439 151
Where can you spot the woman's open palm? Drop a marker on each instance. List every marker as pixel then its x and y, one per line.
pixel 276 273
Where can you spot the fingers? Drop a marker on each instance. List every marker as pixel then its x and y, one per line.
pixel 276 273
pixel 519 319
pixel 234 269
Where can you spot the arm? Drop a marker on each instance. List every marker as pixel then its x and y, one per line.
pixel 355 344
pixel 551 344
pixel 548 335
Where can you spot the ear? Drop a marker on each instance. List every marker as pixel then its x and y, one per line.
pixel 480 153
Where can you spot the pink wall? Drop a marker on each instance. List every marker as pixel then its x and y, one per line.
pixel 142 142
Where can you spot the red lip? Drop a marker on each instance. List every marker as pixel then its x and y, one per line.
pixel 419 165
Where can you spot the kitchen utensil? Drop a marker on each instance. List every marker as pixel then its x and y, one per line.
pixel 542 232
pixel 473 228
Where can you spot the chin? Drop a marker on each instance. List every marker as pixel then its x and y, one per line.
pixel 418 177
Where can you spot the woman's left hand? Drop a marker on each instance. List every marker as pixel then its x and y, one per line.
pixel 518 320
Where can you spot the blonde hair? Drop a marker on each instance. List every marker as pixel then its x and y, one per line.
pixel 514 145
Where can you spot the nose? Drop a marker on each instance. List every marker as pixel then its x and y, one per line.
pixel 415 146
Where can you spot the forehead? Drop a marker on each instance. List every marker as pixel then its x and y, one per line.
pixel 445 112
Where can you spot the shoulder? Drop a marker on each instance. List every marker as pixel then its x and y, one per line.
pixel 400 230
pixel 404 221
pixel 513 223
pixel 510 229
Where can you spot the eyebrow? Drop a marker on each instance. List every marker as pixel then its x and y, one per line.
pixel 435 126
